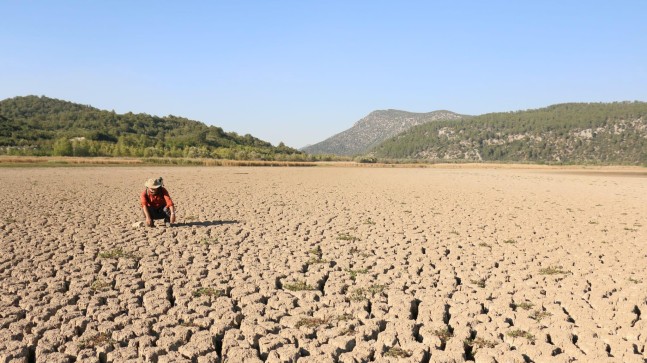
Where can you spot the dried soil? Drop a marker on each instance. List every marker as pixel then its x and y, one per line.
pixel 323 265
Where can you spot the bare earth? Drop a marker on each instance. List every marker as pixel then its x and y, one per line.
pixel 324 265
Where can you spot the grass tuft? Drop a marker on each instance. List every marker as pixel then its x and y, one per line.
pixel 395 352
pixel 553 270
pixel 298 286
pixel 518 333
pixel 208 291
pixel 347 237
pixel 117 253
pixel 98 340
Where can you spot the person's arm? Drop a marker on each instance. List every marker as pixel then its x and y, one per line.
pixel 149 221
pixel 169 203
pixel 144 203
pixel 172 209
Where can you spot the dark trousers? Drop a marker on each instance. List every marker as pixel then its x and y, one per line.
pixel 160 213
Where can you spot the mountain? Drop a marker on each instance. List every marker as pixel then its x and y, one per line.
pixel 582 133
pixel 373 129
pixel 35 125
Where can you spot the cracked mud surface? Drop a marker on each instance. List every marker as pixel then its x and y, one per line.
pixel 323 265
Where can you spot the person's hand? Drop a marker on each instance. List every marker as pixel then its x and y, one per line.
pixel 173 218
pixel 149 222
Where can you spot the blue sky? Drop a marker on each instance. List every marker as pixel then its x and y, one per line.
pixel 300 71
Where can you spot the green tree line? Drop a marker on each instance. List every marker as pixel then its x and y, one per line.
pixel 35 125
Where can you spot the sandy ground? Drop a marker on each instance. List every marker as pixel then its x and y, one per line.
pixel 323 265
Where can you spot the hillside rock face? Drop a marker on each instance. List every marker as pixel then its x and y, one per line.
pixel 373 129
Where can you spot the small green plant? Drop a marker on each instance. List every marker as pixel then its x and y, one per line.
pixel 455 232
pixel 362 294
pixel 298 285
pixel 552 270
pixel 593 222
pixel 524 305
pixel 395 352
pixel 353 273
pixel 208 291
pixel 538 315
pixel 209 241
pixel 444 334
pixel 510 241
pixel 635 281
pixel 189 324
pixel 347 237
pixel 480 282
pixel 315 256
pixel 312 322
pixel 479 343
pixel 344 317
pixel 355 251
pixel 369 222
pixel 631 229
pixel 518 333
pixel 117 253
pixel 100 285
pixel 407 211
pixel 98 340
pixel 483 244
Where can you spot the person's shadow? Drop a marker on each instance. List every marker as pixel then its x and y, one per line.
pixel 203 223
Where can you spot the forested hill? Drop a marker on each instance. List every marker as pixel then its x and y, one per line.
pixel 35 125
pixel 613 133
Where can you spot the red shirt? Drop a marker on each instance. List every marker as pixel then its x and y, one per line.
pixel 156 200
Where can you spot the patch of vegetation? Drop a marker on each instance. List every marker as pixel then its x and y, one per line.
pixel 479 343
pixel 538 315
pixel 553 270
pixel 344 317
pixel 369 222
pixel 635 281
pixel 347 237
pixel 353 273
pixel 396 352
pixel 118 253
pixel 455 232
pixel 208 291
pixel 593 222
pixel 510 241
pixel 483 244
pixel 480 282
pixel 362 294
pixel 298 285
pixel 518 333
pixel 355 251
pixel 100 285
pixel 209 241
pixel 444 334
pixel 631 229
pixel 312 322
pixel 524 305
pixel 316 256
pixel 98 340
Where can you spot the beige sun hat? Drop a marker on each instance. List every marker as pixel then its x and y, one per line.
pixel 153 183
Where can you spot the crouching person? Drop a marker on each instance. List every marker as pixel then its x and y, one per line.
pixel 157 203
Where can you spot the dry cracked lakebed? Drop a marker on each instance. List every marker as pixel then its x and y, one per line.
pixel 324 265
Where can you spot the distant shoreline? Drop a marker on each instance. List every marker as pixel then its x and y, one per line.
pixel 63 161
